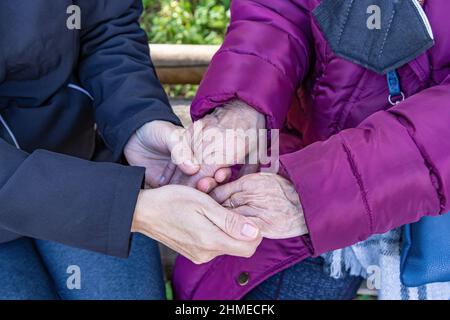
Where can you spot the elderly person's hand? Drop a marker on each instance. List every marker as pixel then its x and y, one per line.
pixel 219 141
pixel 269 200
pixel 193 224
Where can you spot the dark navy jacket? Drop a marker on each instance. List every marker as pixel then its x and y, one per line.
pixel 51 189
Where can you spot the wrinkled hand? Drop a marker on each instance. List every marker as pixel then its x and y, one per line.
pixel 219 141
pixel 193 224
pixel 151 147
pixel 269 200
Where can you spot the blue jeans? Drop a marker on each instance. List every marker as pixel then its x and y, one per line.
pixel 306 281
pixel 38 270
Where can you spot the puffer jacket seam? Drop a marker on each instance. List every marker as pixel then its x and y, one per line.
pixel 358 177
pixel 306 11
pixel 345 111
pixel 242 52
pixel 435 177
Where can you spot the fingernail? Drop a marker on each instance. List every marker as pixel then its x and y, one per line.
pixel 162 180
pixel 190 164
pixel 249 231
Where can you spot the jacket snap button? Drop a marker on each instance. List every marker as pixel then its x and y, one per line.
pixel 243 278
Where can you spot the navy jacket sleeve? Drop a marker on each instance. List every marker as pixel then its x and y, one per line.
pixel 116 68
pixel 59 198
pixel 89 205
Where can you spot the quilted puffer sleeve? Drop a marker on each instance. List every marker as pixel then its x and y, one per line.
pixel 263 60
pixel 390 171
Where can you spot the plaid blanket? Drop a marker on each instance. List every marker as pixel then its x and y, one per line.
pixel 378 260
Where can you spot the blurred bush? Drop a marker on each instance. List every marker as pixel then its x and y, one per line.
pixel 185 22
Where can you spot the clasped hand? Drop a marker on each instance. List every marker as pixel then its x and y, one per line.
pixel 235 216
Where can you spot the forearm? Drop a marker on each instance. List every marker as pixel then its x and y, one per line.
pixel 390 171
pixel 266 69
pixel 68 200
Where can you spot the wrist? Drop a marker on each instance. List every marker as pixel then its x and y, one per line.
pixel 241 115
pixel 158 126
pixel 138 220
pixel 144 212
pixel 252 117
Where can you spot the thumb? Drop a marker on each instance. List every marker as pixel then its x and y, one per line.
pixel 233 224
pixel 180 149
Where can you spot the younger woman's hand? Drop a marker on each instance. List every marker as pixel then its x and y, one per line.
pixel 193 224
pixel 152 147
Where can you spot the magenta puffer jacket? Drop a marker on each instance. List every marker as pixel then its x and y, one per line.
pixel 360 166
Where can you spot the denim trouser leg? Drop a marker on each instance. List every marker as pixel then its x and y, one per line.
pixel 22 273
pixel 35 269
pixel 104 277
pixel 306 281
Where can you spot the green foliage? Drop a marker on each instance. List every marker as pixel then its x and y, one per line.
pixel 169 290
pixel 186 21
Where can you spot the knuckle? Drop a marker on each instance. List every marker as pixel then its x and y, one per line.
pixel 196 258
pixel 206 257
pixel 231 222
pixel 196 261
pixel 245 250
pixel 250 251
pixel 234 200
